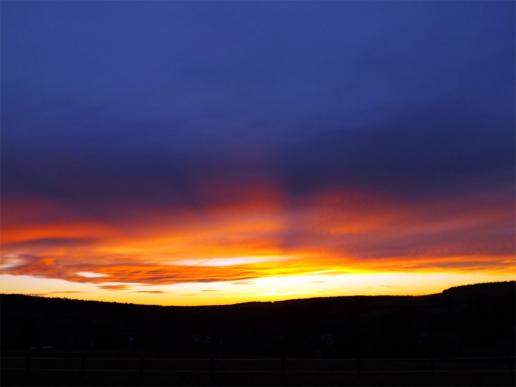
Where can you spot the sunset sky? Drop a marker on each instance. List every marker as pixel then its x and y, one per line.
pixel 218 152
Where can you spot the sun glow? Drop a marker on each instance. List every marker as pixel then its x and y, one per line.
pixel 259 289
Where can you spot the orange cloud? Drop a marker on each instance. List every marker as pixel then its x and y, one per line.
pixel 253 233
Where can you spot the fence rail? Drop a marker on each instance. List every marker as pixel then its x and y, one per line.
pixel 77 369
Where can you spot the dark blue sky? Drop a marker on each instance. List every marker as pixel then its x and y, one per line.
pixel 403 97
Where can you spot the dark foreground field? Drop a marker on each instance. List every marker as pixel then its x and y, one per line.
pixel 463 336
pixel 148 369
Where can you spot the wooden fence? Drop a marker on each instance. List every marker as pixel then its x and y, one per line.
pixel 98 369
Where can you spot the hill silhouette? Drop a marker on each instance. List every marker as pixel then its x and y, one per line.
pixel 472 320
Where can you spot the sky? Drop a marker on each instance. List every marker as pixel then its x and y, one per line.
pixel 214 152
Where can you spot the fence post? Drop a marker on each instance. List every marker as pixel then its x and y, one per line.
pixel 28 366
pixel 212 370
pixel 283 370
pixel 83 367
pixel 140 369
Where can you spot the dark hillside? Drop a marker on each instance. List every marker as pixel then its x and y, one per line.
pixel 474 320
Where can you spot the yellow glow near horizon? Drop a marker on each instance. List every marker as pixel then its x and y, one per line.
pixel 255 248
pixel 259 289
